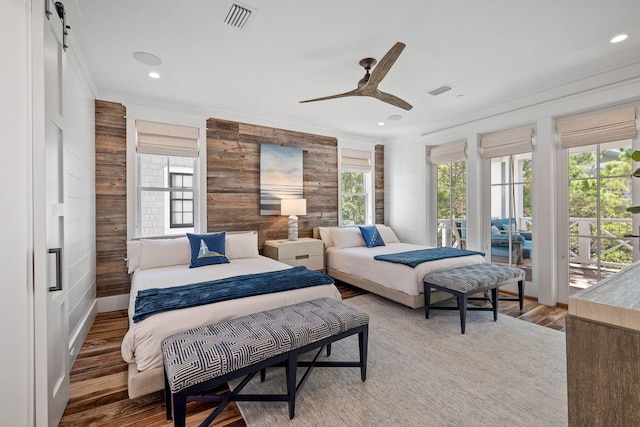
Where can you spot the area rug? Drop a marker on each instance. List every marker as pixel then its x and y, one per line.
pixel 423 372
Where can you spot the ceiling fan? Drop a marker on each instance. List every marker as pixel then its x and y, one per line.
pixel 368 85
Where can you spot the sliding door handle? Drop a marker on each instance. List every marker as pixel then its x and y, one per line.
pixel 58 269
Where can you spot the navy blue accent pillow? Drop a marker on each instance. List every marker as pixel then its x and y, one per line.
pixel 371 236
pixel 207 249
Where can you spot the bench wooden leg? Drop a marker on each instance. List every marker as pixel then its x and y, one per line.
pixel 521 293
pixel 462 307
pixel 363 341
pixel 179 410
pixel 292 365
pixel 427 299
pixel 494 297
pixel 167 397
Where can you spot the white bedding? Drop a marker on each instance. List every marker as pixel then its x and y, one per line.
pixel 358 261
pixel 142 341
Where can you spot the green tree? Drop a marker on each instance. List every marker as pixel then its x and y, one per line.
pixel 353 198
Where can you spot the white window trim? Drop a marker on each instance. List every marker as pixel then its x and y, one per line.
pixel 136 112
pixel 369 182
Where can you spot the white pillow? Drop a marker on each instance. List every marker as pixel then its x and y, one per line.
pixel 133 255
pixel 325 235
pixel 164 252
pixel 346 237
pixel 387 234
pixel 241 245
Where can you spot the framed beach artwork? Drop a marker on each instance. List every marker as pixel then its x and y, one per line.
pixel 280 176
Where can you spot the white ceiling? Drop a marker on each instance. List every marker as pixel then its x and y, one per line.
pixel 494 53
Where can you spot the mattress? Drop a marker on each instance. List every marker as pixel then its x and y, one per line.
pixel 358 261
pixel 141 344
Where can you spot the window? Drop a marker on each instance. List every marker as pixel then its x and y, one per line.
pixel 599 146
pixel 512 222
pixel 452 204
pixel 354 198
pixel 600 191
pixel 167 192
pixel 450 161
pixel 356 184
pixel 181 206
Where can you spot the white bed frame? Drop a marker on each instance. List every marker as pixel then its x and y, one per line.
pixel 412 301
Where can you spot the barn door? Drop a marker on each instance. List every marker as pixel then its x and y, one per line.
pixel 51 298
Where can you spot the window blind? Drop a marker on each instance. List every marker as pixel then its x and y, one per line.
pixel 595 128
pixel 447 153
pixel 356 160
pixel 507 142
pixel 165 139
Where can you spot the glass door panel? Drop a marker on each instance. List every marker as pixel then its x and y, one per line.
pixel 600 191
pixel 452 204
pixel 511 211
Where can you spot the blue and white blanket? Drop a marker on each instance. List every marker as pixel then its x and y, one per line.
pixel 414 258
pixel 158 300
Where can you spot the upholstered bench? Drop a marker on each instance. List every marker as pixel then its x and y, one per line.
pixel 469 280
pixel 203 358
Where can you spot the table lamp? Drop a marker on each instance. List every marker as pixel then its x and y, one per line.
pixel 293 207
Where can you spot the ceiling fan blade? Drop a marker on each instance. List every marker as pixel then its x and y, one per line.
pixel 354 92
pixel 385 64
pixel 391 99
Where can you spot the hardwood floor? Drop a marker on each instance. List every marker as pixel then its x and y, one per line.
pixel 99 375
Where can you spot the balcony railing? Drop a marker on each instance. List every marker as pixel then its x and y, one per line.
pixel 615 251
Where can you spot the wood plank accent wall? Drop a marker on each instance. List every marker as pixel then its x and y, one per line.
pixel 233 179
pixel 111 199
pixel 379 184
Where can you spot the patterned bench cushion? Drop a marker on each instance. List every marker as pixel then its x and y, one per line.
pixel 200 354
pixel 472 277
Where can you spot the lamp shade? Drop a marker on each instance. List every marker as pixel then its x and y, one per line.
pixel 293 207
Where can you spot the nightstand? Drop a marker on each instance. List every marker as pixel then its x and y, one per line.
pixel 304 251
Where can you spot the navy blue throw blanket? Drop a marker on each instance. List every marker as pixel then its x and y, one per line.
pixel 413 258
pixel 158 300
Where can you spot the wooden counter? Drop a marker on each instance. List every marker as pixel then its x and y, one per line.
pixel 603 352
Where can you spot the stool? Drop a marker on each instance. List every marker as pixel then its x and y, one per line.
pixel 469 280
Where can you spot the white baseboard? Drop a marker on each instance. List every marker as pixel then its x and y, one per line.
pixel 113 303
pixel 80 334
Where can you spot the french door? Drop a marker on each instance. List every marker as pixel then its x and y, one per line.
pixel 602 233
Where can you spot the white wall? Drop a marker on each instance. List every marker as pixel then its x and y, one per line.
pixel 406 174
pixel 16 361
pixel 80 202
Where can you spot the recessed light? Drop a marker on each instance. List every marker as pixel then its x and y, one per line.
pixel 154 75
pixel 460 95
pixel 394 117
pixel 619 38
pixel 380 123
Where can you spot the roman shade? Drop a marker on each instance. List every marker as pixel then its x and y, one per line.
pixel 166 139
pixel 507 142
pixel 447 153
pixel 356 160
pixel 595 128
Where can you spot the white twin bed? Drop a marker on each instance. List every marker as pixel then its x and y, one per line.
pixel 141 344
pixel 348 259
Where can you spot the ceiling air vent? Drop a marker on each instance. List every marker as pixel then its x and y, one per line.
pixel 237 15
pixel 439 90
